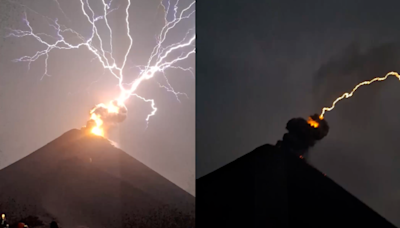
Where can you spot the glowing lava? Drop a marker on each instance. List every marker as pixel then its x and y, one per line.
pixel 102 113
pixel 98 129
pixel 312 122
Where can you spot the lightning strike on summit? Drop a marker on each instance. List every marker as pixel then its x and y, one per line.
pixel 160 58
pixel 314 122
pixel 350 94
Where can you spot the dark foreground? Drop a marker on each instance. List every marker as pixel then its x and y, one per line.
pixel 83 181
pixel 163 217
pixel 271 188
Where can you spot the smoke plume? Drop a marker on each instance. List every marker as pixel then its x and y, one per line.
pixel 301 135
pixel 111 118
pixel 106 116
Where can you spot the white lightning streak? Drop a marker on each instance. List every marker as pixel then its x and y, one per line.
pixel 160 58
pixel 62 11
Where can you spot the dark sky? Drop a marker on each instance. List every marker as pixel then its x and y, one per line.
pixel 34 112
pixel 261 63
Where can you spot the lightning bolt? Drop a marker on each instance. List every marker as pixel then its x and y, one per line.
pixel 62 11
pixel 350 94
pixel 159 61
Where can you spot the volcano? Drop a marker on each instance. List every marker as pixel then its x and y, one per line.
pixel 82 180
pixel 272 187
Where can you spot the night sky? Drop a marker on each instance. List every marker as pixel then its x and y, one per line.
pixel 34 111
pixel 261 63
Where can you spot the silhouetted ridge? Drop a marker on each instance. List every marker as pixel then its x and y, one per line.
pixel 272 186
pixel 82 179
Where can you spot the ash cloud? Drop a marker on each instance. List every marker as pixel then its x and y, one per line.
pixel 301 136
pixel 354 65
pixel 109 119
pixel 112 118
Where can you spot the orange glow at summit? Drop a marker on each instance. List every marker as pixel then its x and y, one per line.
pixel 98 129
pixel 312 122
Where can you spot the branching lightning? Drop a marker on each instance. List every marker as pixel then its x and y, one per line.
pixel 350 94
pixel 159 61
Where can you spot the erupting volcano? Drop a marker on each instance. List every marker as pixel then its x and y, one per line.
pixel 273 186
pixel 105 116
pixel 81 180
pixel 168 52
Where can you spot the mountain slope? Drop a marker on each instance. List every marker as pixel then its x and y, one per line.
pixel 83 180
pixel 270 187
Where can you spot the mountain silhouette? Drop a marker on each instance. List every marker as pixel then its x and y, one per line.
pixel 271 187
pixel 83 180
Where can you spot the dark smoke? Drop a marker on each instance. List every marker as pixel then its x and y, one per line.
pixel 301 135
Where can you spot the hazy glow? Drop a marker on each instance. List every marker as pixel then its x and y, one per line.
pixel 161 58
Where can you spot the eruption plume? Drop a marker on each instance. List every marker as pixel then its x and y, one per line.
pixel 104 116
pixel 303 134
